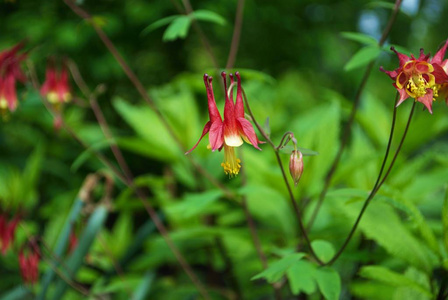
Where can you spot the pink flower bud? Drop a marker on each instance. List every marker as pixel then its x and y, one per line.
pixel 296 166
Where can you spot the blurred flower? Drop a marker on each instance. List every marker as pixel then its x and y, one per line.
pixel 29 257
pixel 7 231
pixel 73 241
pixel 231 132
pixel 296 166
pixel 56 87
pixel 419 78
pixel 10 71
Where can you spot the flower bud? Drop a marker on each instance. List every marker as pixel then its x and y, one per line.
pixel 296 166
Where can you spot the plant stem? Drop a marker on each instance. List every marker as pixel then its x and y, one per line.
pixel 141 90
pixel 130 183
pixel 349 124
pixel 253 230
pixel 285 179
pixel 236 35
pixel 377 185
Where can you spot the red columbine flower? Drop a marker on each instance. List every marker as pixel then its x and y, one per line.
pixel 10 71
pixel 56 87
pixel 419 78
pixel 231 132
pixel 29 262
pixel 7 231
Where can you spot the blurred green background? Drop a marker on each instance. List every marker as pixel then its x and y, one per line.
pixel 293 61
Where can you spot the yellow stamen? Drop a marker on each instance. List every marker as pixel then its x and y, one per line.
pixel 231 164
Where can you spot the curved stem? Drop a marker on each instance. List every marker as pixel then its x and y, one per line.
pixel 285 179
pixel 377 185
pixel 236 35
pixel 348 126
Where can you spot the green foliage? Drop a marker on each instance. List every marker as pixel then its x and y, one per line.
pixel 294 78
pixel 363 57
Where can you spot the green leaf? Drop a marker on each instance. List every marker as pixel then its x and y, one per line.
pixel 144 287
pixel 19 293
pixel 362 57
pixel 147 125
pixel 177 29
pixel 445 219
pixel 323 249
pixel 74 262
pixel 301 277
pixel 276 270
pixel 382 224
pixel 208 16
pixel 193 204
pixel 61 244
pixel 305 152
pixel 387 276
pixel 329 282
pixel 381 4
pixel 85 155
pixel 359 37
pixel 159 23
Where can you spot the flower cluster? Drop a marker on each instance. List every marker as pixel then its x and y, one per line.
pixel 7 231
pixel 424 78
pixel 230 132
pixel 10 72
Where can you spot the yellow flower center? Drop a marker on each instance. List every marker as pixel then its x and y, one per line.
pixel 231 164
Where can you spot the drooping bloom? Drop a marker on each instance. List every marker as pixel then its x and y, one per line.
pixel 296 166
pixel 29 257
pixel 419 78
pixel 230 132
pixel 7 231
pixel 56 88
pixel 10 72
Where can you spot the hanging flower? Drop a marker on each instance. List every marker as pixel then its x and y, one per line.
pixel 7 231
pixel 10 72
pixel 29 258
pixel 56 88
pixel 230 132
pixel 296 166
pixel 419 78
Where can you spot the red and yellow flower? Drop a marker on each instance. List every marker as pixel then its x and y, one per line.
pixel 10 72
pixel 56 87
pixel 230 132
pixel 420 78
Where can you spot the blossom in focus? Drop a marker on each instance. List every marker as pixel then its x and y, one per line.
pixel 10 72
pixel 29 257
pixel 296 166
pixel 419 78
pixel 7 231
pixel 56 88
pixel 230 132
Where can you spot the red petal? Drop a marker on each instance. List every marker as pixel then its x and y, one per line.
pixel 427 99
pixel 239 106
pixel 439 74
pixel 204 132
pixel 401 57
pixel 212 109
pixel 216 136
pixel 248 131
pixel 403 96
pixel 438 57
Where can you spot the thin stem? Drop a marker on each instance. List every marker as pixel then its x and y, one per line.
pixel 236 35
pixel 378 186
pixel 130 183
pixel 204 40
pixel 285 179
pixel 349 124
pixel 141 90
